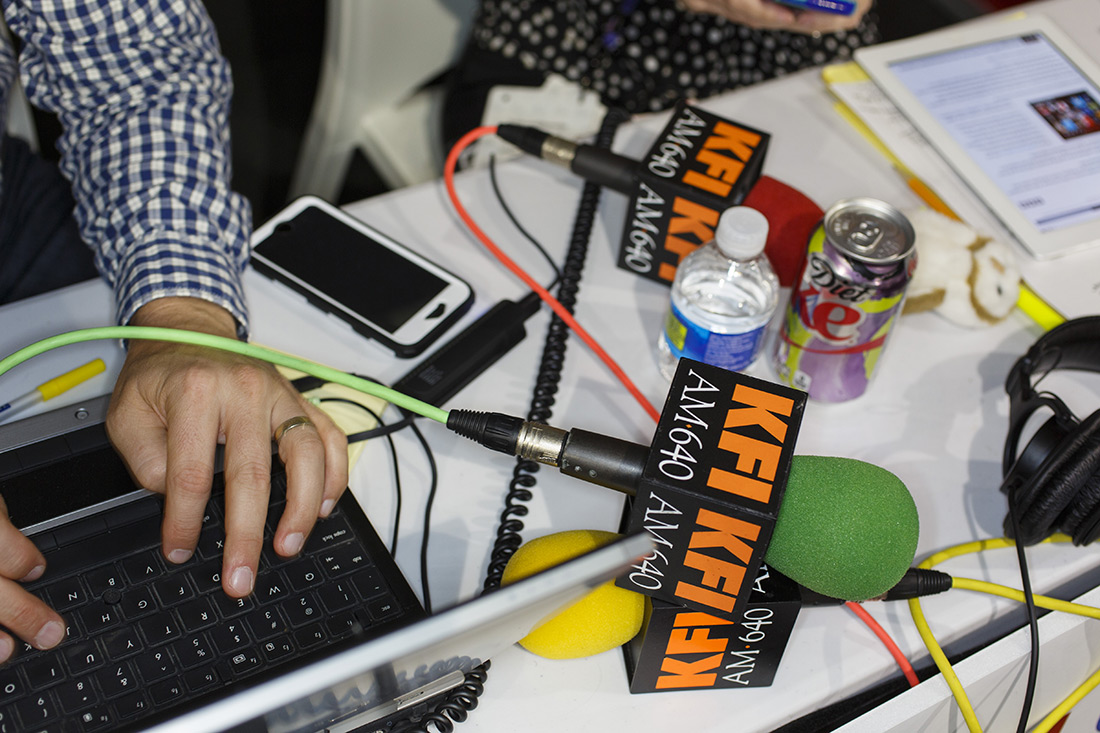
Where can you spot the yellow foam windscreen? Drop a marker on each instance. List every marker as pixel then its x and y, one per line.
pixel 607 617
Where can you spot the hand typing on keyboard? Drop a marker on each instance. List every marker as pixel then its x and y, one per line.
pixel 173 403
pixel 21 612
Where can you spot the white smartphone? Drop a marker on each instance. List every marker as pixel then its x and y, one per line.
pixel 345 267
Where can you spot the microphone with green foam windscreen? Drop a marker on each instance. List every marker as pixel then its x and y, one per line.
pixel 847 529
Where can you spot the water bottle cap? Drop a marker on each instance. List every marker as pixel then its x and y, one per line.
pixel 741 232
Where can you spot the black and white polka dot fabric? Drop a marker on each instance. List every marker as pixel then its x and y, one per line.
pixel 643 55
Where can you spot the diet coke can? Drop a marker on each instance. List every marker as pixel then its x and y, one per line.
pixel 858 264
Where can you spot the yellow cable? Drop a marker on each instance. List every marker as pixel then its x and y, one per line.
pixel 1063 708
pixel 944 666
pixel 925 631
pixel 1051 604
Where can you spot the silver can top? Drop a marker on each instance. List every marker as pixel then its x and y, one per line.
pixel 869 230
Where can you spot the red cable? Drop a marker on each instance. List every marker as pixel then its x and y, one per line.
pixel 895 652
pixel 569 320
pixel 558 308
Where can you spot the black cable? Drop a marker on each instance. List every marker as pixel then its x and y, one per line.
pixel 384 430
pixel 515 222
pixel 1032 620
pixel 508 537
pixel 399 496
pixel 457 704
pixel 427 515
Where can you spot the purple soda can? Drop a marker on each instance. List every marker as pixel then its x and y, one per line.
pixel 858 264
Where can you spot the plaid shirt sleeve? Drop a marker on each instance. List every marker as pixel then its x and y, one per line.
pixel 142 92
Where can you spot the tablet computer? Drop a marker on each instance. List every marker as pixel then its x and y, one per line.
pixel 1014 107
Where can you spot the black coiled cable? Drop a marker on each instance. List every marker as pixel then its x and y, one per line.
pixel 464 698
pixel 455 708
pixel 523 479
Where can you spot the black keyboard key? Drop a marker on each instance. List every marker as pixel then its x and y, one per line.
pixel 44 671
pixel 138 602
pixel 143 566
pixel 166 693
pixel 303 574
pixel 244 662
pixel 101 718
pixel 116 679
pixel 339 561
pixel 276 649
pixel 65 595
pixel 302 610
pixel 194 650
pixel 310 635
pixel 200 679
pixel 37 709
pixel 230 636
pixel 230 607
pixel 197 614
pixel 98 616
pixel 131 704
pixel 155 664
pixel 8 723
pixel 381 609
pixel 336 595
pixel 173 589
pixel 264 623
pixel 82 656
pixel 11 686
pixel 77 695
pixel 207 576
pixel 159 629
pixel 211 543
pixel 369 584
pixel 342 624
pixel 101 580
pixel 328 532
pixel 122 643
pixel 270 586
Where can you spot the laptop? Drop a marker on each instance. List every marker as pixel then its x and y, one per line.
pixel 333 639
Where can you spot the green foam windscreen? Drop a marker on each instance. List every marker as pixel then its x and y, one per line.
pixel 607 617
pixel 846 529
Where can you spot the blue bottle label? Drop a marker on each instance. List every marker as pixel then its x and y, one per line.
pixel 731 351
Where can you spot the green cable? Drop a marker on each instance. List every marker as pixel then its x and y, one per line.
pixel 225 344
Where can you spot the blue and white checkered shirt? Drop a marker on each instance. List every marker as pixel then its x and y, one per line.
pixel 142 92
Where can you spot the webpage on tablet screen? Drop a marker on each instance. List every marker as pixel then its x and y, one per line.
pixel 1028 118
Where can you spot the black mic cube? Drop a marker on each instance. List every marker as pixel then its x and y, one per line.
pixel 711 489
pixel 701 165
pixel 682 649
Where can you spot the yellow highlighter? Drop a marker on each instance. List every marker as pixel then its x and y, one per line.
pixel 54 387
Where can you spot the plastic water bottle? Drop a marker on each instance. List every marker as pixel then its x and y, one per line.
pixel 723 296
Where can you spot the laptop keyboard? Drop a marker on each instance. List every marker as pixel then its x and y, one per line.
pixel 144 635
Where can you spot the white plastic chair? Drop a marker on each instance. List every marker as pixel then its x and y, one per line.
pixel 378 56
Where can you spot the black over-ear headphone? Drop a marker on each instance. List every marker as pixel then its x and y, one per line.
pixel 1054 486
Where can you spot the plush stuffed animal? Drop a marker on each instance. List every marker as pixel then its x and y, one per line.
pixel 967 278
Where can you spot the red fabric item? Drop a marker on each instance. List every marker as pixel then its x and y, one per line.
pixel 791 217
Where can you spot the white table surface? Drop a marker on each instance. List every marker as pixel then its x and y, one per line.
pixel 936 415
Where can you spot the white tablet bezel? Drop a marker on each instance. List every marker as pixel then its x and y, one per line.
pixel 877 62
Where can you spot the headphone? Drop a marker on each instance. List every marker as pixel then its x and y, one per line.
pixel 1054 485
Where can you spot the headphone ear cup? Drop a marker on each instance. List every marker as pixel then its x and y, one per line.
pixel 1082 522
pixel 1064 493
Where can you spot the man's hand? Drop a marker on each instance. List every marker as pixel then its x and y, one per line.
pixel 767 15
pixel 30 618
pixel 173 403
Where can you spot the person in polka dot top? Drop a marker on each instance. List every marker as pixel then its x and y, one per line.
pixel 644 55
